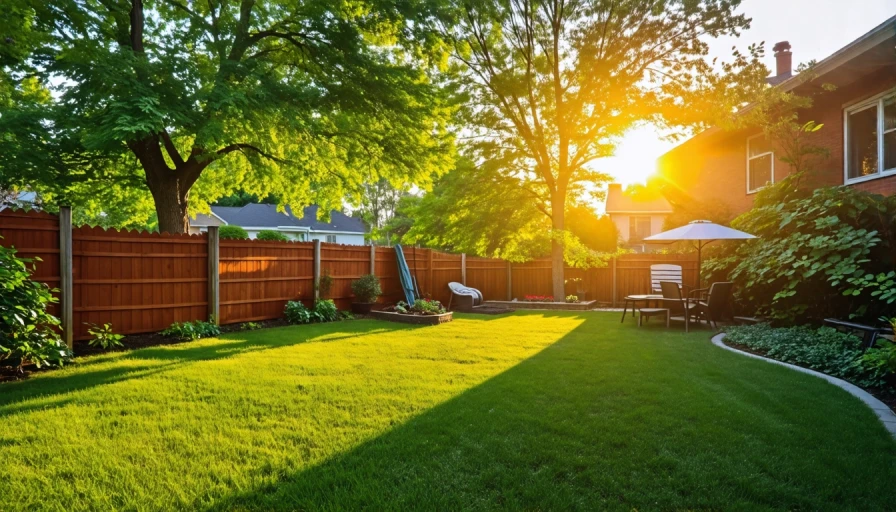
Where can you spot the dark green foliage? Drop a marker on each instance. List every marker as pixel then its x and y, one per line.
pixel 831 252
pixel 27 334
pixel 271 236
pixel 192 330
pixel 824 349
pixel 367 288
pixel 421 307
pixel 249 326
pixel 323 311
pixel 103 337
pixel 234 232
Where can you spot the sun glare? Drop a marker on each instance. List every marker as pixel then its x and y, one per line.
pixel 636 155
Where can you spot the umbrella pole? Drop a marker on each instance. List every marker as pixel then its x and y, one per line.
pixel 699 260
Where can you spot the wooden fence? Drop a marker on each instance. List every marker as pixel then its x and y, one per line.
pixel 142 282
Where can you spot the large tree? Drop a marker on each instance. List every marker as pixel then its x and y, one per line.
pixel 553 84
pixel 307 99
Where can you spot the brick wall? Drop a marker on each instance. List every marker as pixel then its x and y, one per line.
pixel 714 167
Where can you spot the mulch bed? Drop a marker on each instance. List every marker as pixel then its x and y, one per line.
pixel 883 394
pixel 129 342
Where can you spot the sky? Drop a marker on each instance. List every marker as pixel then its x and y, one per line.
pixel 815 30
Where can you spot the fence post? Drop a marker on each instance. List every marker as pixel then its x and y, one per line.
pixel 316 270
pixel 613 267
pixel 372 260
pixel 66 280
pixel 430 283
pixel 463 269
pixel 214 276
pixel 509 282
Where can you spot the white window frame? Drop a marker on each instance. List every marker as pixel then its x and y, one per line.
pixel 876 101
pixel 772 153
pixel 328 239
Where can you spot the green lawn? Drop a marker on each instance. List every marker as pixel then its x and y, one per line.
pixel 526 411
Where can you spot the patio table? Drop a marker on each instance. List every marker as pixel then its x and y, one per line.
pixel 634 300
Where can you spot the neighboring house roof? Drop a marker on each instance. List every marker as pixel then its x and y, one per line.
pixel 267 216
pixel 620 202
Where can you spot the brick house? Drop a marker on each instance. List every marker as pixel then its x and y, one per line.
pixel 859 131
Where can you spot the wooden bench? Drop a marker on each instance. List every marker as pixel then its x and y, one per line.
pixel 870 333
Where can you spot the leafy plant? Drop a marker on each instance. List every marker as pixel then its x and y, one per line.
pixel 103 336
pixel 325 311
pixel 824 349
pixel 271 236
pixel 192 330
pixel 346 315
pixel 831 252
pixel 296 313
pixel 572 298
pixel 27 334
pixel 421 307
pixel 233 232
pixel 367 288
pixel 249 326
pixel 326 283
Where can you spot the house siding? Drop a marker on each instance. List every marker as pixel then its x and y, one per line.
pixel 716 168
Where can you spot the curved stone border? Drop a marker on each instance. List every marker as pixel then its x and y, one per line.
pixel 884 413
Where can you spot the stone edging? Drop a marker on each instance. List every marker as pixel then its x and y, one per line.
pixel 884 413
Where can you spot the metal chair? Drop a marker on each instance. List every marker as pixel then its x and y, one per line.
pixel 677 304
pixel 716 304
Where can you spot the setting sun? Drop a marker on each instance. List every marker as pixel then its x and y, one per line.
pixel 636 155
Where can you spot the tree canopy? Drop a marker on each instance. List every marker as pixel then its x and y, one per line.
pixel 195 100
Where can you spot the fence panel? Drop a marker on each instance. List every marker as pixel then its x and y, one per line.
pixel 138 282
pixel 445 269
pixel 258 277
pixel 344 264
pixel 34 235
pixel 532 278
pixel 488 275
pixel 387 271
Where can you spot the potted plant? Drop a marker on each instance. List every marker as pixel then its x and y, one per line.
pixel 367 290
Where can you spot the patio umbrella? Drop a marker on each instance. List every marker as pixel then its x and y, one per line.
pixel 701 232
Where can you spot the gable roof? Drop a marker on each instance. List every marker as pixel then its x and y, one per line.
pixel 620 202
pixel 266 216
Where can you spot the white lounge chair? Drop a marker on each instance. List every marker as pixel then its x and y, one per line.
pixel 664 272
pixel 467 298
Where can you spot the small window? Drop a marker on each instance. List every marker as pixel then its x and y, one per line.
pixel 871 139
pixel 638 229
pixel 760 163
pixel 331 239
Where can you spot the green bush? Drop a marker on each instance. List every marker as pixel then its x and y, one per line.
pixel 367 288
pixel 825 349
pixel 324 311
pixel 192 330
pixel 421 307
pixel 27 334
pixel 271 236
pixel 831 252
pixel 234 232
pixel 249 326
pixel 103 337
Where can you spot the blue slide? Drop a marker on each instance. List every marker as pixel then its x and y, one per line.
pixel 407 282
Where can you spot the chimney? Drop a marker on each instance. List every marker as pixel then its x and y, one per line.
pixel 783 59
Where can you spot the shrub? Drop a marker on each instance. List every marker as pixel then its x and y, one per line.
pixel 367 288
pixel 271 236
pixel 572 299
pixel 296 313
pixel 192 330
pixel 323 311
pixel 234 232
pixel 27 334
pixel 825 349
pixel 831 252
pixel 103 336
pixel 421 307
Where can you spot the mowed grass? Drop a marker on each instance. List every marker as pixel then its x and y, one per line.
pixel 550 411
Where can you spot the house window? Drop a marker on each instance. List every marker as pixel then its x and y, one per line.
pixel 638 229
pixel 870 138
pixel 331 239
pixel 760 163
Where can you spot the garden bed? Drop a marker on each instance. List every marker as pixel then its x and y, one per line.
pixel 559 306
pixel 405 318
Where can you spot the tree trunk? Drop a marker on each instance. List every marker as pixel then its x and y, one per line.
pixel 558 218
pixel 170 196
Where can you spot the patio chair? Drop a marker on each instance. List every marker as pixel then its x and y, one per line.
pixel 467 298
pixel 677 304
pixel 664 272
pixel 714 305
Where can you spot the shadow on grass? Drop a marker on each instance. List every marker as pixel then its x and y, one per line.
pixel 16 397
pixel 598 420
